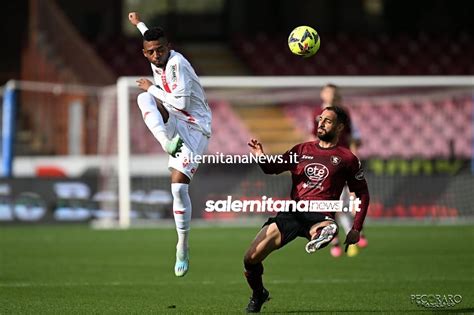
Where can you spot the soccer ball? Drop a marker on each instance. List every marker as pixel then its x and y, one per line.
pixel 304 41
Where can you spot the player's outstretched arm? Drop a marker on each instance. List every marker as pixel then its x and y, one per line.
pixel 269 166
pixel 134 18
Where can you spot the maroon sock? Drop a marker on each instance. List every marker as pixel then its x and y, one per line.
pixel 253 273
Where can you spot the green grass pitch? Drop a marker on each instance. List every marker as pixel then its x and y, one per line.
pixel 76 270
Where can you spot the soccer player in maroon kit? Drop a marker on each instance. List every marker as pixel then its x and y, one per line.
pixel 322 169
pixel 349 138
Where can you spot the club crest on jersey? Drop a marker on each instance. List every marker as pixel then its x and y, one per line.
pixel 317 173
pixel 359 175
pixel 335 160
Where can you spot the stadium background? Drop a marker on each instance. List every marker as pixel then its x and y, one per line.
pixel 66 57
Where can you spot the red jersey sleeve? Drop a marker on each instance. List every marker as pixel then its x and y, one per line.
pixel 277 164
pixel 357 184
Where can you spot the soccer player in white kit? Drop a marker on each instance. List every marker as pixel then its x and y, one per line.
pixel 175 110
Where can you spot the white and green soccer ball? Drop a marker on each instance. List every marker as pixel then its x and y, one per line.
pixel 304 41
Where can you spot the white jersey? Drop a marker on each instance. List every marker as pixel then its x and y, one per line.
pixel 179 79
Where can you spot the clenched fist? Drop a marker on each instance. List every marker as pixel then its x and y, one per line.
pixel 134 18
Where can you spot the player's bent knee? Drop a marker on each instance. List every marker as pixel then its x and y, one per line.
pixel 145 98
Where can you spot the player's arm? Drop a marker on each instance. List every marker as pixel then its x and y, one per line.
pixel 168 99
pixel 134 18
pixel 358 185
pixel 272 165
pixel 177 101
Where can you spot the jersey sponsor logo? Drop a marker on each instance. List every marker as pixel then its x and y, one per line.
pixel 359 175
pixel 307 157
pixel 335 160
pixel 174 75
pixel 317 173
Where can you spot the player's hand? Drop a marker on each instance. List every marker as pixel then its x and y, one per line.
pixel 144 84
pixel 351 238
pixel 256 147
pixel 134 18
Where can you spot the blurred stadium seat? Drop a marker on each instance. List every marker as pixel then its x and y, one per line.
pixel 381 54
pixel 405 129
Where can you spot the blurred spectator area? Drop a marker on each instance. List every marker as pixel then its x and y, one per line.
pixel 346 54
pixel 404 128
pixel 83 43
pixel 340 54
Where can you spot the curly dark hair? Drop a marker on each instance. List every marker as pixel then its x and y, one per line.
pixel 342 116
pixel 155 33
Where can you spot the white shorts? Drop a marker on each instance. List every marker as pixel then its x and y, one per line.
pixel 195 143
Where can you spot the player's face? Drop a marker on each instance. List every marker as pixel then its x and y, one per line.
pixel 327 126
pixel 157 52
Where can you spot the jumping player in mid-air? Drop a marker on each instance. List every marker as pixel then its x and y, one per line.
pixel 175 110
pixel 322 170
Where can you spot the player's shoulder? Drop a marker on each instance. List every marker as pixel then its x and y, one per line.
pixel 347 154
pixel 177 58
pixel 308 146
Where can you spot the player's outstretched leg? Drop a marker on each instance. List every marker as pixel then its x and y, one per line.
pixel 323 234
pixel 182 216
pixel 156 123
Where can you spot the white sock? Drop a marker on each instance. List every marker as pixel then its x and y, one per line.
pixel 152 118
pixel 182 215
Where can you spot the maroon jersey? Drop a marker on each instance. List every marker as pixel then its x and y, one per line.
pixel 346 135
pixel 320 174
